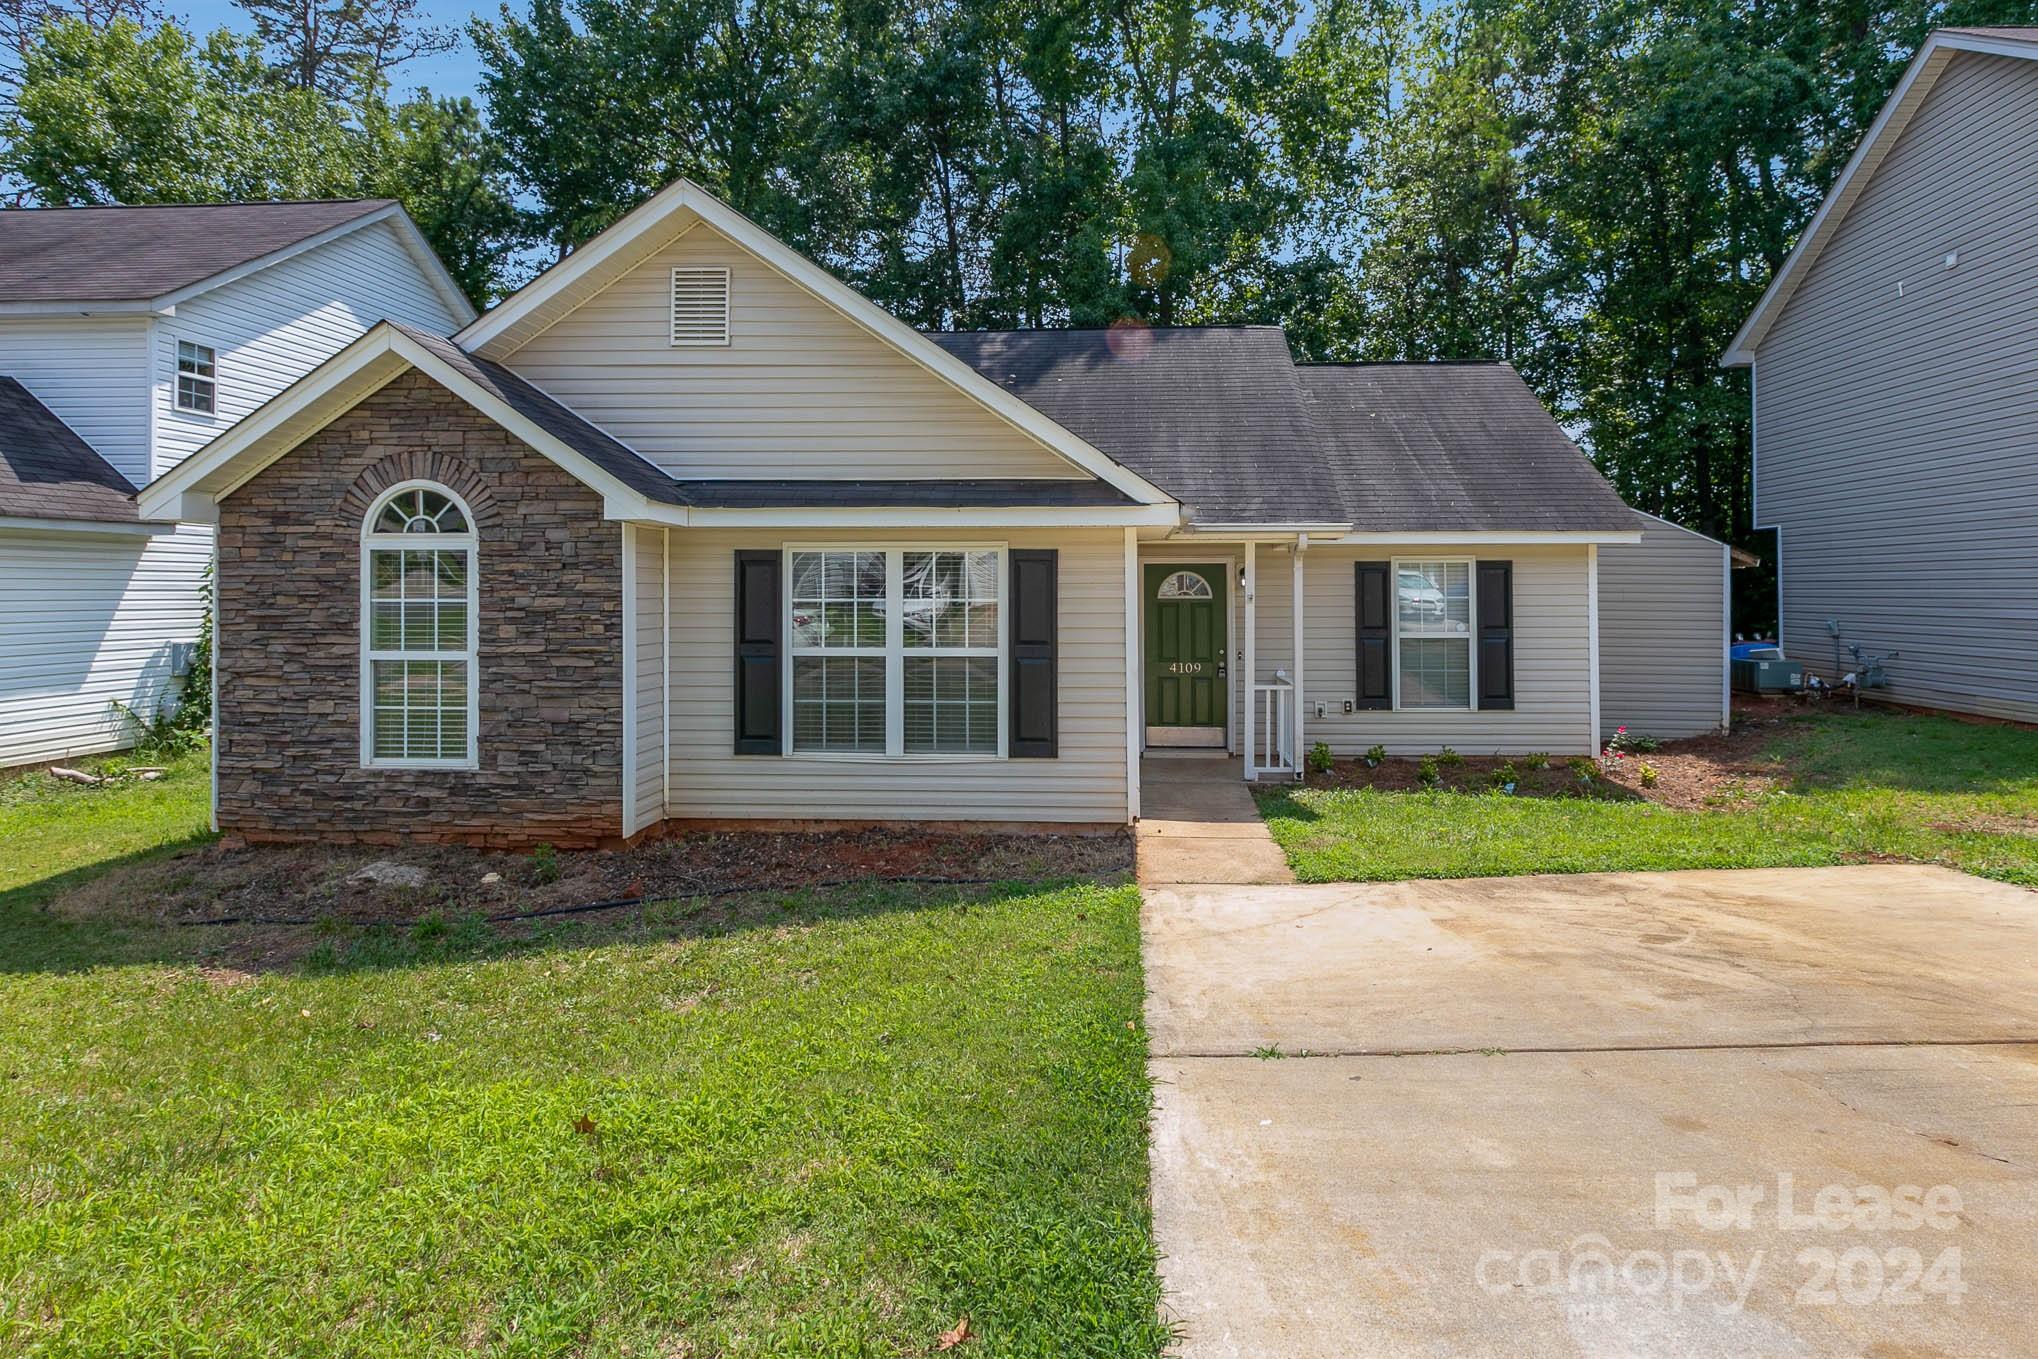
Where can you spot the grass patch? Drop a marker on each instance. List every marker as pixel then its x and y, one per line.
pixel 1845 789
pixel 786 1124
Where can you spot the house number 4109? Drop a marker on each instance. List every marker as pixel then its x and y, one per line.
pixel 1186 668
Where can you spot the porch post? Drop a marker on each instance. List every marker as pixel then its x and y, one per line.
pixel 1251 669
pixel 1135 688
pixel 1301 714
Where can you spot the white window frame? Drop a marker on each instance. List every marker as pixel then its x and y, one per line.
pixel 1471 565
pixel 895 653
pixel 373 542
pixel 178 377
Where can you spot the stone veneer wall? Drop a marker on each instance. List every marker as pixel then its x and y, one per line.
pixel 550 633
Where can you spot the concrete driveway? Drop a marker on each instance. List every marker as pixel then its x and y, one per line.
pixel 1595 1115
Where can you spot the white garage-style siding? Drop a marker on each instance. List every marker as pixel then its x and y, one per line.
pixel 1663 633
pixel 274 326
pixel 90 619
pixel 1086 784
pixel 1552 660
pixel 799 390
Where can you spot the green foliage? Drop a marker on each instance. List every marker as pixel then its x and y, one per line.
pixel 1376 755
pixel 1319 758
pixel 1536 759
pixel 544 862
pixel 116 113
pixel 1449 758
pixel 1928 789
pixel 1426 770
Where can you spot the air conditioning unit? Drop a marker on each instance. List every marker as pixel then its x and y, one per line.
pixel 1765 671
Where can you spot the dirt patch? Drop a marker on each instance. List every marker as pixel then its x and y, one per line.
pixel 1715 770
pixel 355 885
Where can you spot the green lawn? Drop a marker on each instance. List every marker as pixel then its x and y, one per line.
pixel 821 1124
pixel 1853 789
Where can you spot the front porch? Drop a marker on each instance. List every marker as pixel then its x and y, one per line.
pixel 1223 657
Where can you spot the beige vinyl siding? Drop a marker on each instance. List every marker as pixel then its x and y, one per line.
pixel 1086 784
pixel 1552 667
pixel 647 567
pixel 1662 633
pixel 1897 409
pixel 799 391
pixel 87 619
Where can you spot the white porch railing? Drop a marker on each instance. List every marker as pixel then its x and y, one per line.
pixel 1272 717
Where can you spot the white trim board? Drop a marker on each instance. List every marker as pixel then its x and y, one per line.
pixel 680 204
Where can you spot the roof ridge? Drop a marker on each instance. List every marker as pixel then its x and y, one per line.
pixel 1092 330
pixel 234 203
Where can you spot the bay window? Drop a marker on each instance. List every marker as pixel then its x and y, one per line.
pixel 896 651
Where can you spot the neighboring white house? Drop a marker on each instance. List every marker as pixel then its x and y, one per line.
pixel 130 338
pixel 1895 409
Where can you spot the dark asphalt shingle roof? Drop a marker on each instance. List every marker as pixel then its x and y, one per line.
pixel 1442 447
pixel 119 254
pixel 1225 421
pixel 1211 415
pixel 617 459
pixel 48 472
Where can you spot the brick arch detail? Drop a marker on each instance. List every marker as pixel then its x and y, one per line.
pixel 423 465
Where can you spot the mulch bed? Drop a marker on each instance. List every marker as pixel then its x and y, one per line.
pixel 293 882
pixel 1701 772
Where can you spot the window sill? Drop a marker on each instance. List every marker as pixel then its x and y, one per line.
pixel 854 757
pixel 444 766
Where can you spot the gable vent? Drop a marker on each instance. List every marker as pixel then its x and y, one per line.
pixel 700 306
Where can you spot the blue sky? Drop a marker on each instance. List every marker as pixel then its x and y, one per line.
pixel 455 72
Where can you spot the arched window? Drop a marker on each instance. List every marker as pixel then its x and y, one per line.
pixel 419 597
pixel 1185 585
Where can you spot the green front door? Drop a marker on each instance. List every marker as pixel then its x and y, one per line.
pixel 1185 653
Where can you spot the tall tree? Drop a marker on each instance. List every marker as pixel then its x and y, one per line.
pixel 119 115
pixel 344 49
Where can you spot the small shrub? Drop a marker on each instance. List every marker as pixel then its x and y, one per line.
pixel 1503 777
pixel 1536 759
pixel 1449 759
pixel 430 927
pixel 544 862
pixel 164 736
pixel 1376 755
pixel 1648 773
pixel 1427 772
pixel 1624 742
pixel 1319 758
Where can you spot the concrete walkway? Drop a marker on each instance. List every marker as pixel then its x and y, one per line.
pixel 1475 1117
pixel 1198 824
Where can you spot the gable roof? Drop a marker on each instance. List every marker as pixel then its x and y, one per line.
pixel 1229 424
pixel 148 258
pixel 1452 447
pixel 683 204
pixel 1881 138
pixel 48 472
pixel 1213 415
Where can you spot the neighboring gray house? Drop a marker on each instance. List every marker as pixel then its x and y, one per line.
pixel 688 531
pixel 129 338
pixel 1894 362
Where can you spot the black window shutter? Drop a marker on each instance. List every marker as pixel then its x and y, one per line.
pixel 760 629
pixel 1496 634
pixel 1032 654
pixel 1374 604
